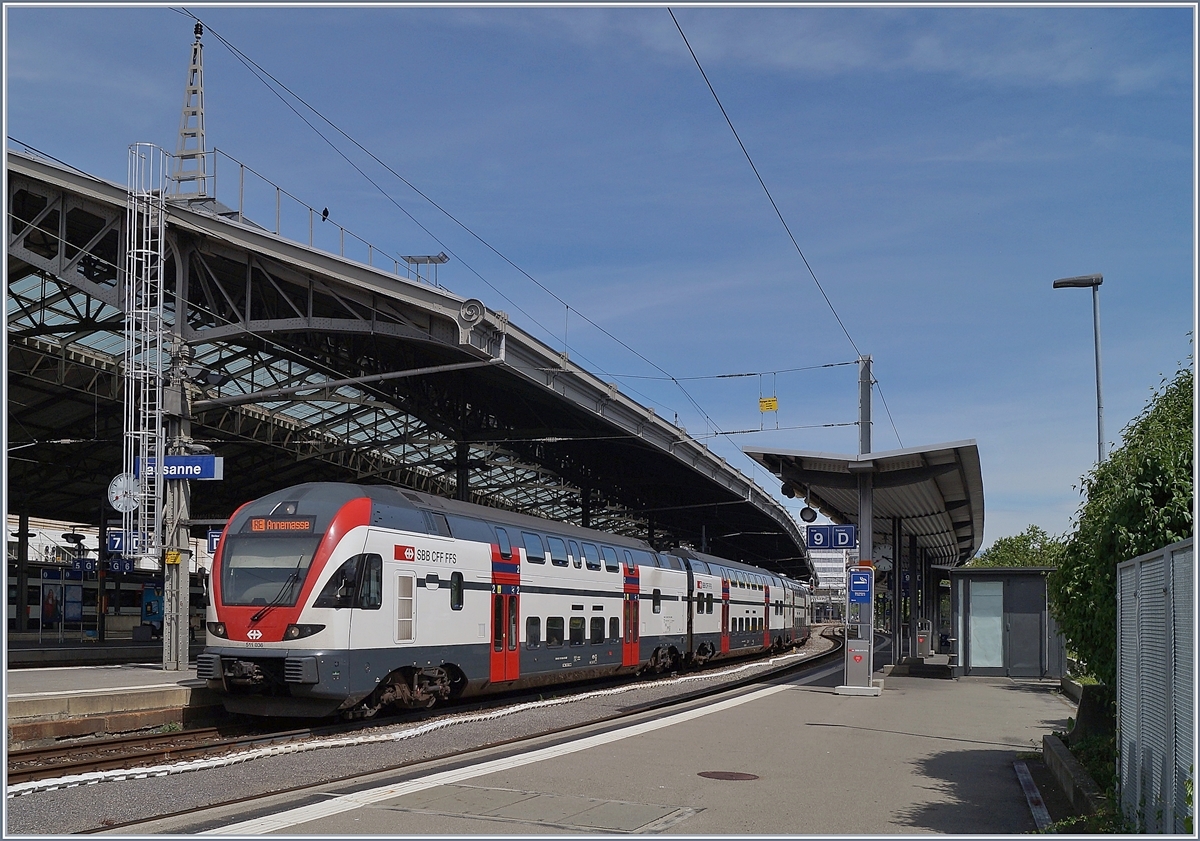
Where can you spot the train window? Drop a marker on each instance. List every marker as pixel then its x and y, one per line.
pixel 576 558
pixel 699 566
pixel 456 591
pixel 709 599
pixel 468 528
pixel 404 607
pixel 554 631
pixel 533 632
pixel 497 623
pixel 265 570
pixel 576 629
pixel 597 630
pixel 341 590
pixel 656 601
pixel 438 523
pixel 505 546
pixel 674 562
pixel 629 560
pixel 432 582
pixel 614 628
pixel 611 564
pixel 591 555
pixel 370 588
pixel 558 551
pixel 534 551
pixel 512 623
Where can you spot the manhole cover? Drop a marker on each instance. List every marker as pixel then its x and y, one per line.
pixel 727 775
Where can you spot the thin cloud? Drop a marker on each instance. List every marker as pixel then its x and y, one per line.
pixel 1123 51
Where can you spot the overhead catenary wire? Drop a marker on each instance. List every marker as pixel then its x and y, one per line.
pixel 762 183
pixel 775 207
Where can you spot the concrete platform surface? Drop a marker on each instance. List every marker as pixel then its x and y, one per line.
pixel 59 692
pixel 792 758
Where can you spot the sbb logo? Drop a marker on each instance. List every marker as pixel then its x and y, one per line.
pixel 255 634
pixel 406 553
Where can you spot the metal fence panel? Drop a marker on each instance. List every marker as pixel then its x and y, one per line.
pixel 1155 680
pixel 1183 606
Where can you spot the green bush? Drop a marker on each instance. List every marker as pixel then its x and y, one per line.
pixel 1137 501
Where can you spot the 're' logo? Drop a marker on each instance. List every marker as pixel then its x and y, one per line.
pixel 406 553
pixel 255 634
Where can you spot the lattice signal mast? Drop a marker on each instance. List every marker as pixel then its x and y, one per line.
pixel 145 359
pixel 189 174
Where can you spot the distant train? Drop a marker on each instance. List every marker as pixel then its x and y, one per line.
pixel 337 598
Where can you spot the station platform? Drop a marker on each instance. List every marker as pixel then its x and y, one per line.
pixel 788 757
pixel 54 702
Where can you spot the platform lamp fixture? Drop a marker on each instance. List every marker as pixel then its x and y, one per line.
pixel 1094 281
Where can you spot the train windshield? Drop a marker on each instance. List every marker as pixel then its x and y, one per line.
pixel 265 570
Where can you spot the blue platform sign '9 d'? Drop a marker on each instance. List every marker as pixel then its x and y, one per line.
pixel 185 467
pixel 832 537
pixel 860 587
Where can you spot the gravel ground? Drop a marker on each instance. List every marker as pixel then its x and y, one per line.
pixel 109 802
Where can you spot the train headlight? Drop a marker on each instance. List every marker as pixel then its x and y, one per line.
pixel 295 632
pixel 217 629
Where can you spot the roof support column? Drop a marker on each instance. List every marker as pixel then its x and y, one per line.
pixel 463 471
pixel 897 554
pixel 916 579
pixel 23 535
pixel 866 516
pixel 585 508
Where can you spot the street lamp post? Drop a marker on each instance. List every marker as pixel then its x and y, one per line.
pixel 1094 281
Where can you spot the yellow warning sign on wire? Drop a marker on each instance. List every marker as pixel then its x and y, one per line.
pixel 768 404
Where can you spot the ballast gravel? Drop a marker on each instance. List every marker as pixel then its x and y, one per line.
pixel 108 802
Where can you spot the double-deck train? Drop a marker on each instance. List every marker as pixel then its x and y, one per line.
pixel 339 598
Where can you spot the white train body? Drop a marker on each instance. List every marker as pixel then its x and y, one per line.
pixel 329 597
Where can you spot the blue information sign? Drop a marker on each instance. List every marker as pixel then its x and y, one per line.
pixel 118 545
pixel 214 537
pixel 820 537
pixel 845 537
pixel 860 587
pixel 184 467
pixel 832 537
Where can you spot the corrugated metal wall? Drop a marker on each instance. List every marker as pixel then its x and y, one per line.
pixel 1155 686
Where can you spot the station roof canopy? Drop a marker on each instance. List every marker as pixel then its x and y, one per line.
pixel 308 359
pixel 936 491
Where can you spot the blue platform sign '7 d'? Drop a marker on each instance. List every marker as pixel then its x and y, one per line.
pixel 860 587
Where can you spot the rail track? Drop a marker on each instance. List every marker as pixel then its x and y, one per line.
pixel 63 762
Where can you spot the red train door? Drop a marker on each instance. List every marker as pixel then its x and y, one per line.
pixel 631 618
pixel 724 615
pixel 505 608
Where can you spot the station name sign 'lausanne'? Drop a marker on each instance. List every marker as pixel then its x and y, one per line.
pixel 184 467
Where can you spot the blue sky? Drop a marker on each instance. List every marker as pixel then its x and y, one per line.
pixel 939 167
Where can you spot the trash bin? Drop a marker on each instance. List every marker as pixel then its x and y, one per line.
pixel 924 638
